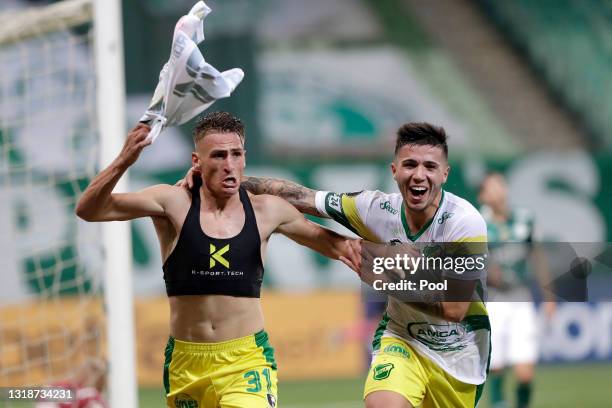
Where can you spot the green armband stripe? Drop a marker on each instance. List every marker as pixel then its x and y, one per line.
pixel 333 207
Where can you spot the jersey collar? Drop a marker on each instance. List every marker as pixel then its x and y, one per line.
pixel 424 228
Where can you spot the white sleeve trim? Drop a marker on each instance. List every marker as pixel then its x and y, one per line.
pixel 320 202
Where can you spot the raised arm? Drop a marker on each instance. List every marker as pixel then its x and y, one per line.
pixel 98 203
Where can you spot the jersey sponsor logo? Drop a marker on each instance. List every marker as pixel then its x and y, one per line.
pixel 217 256
pixel 439 337
pixel 397 349
pixel 387 206
pixel 334 201
pixel 185 401
pixel 382 371
pixel 445 216
pixel 227 274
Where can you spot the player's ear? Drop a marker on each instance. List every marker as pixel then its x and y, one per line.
pixel 195 160
pixel 446 173
pixel 393 170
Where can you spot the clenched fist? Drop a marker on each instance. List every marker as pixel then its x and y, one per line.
pixel 136 140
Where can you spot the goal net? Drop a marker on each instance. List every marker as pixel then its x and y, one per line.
pixel 52 314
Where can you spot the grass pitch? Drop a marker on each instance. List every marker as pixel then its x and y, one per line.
pixel 556 386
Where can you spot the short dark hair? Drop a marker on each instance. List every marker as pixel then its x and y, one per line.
pixel 421 133
pixel 222 122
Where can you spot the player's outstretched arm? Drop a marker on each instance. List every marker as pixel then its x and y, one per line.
pixel 98 203
pixel 302 198
pixel 329 243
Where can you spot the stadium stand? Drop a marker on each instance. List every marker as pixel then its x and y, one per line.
pixel 569 43
pixel 436 68
pixel 517 96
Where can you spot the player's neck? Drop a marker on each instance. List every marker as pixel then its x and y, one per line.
pixel 501 214
pixel 216 203
pixel 418 219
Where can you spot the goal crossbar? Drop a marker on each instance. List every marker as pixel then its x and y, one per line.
pixel 19 25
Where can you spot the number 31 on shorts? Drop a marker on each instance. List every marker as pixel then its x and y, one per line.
pixel 254 380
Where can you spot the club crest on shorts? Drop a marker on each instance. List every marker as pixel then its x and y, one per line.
pixel 185 401
pixel 271 401
pixel 382 371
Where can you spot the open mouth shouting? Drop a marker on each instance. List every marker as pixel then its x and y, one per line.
pixel 417 194
pixel 230 182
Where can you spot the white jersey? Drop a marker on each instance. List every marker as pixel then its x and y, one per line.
pixel 461 349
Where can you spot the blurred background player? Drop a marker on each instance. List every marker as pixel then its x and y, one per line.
pixel 514 329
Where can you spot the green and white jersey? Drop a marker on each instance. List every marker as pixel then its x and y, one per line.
pixel 513 258
pixel 461 349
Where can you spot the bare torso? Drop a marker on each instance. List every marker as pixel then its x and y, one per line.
pixel 212 318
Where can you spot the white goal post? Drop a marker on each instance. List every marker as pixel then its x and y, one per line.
pixel 108 40
pixel 62 118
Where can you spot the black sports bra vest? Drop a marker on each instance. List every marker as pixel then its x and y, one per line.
pixel 202 265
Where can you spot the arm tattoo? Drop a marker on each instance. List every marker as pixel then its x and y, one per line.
pixel 300 197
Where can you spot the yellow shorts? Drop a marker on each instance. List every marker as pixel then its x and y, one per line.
pixel 397 367
pixel 230 374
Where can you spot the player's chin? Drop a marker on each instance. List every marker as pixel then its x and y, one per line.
pixel 417 203
pixel 229 191
pixel 226 190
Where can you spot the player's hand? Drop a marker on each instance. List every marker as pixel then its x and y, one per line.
pixel 136 140
pixel 187 181
pixel 352 257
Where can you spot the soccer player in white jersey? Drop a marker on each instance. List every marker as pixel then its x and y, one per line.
pixel 512 233
pixel 429 354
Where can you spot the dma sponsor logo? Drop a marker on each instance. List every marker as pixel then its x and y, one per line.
pixel 185 401
pixel 396 349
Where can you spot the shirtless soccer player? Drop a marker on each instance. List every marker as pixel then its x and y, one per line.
pixel 213 239
pixel 425 354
